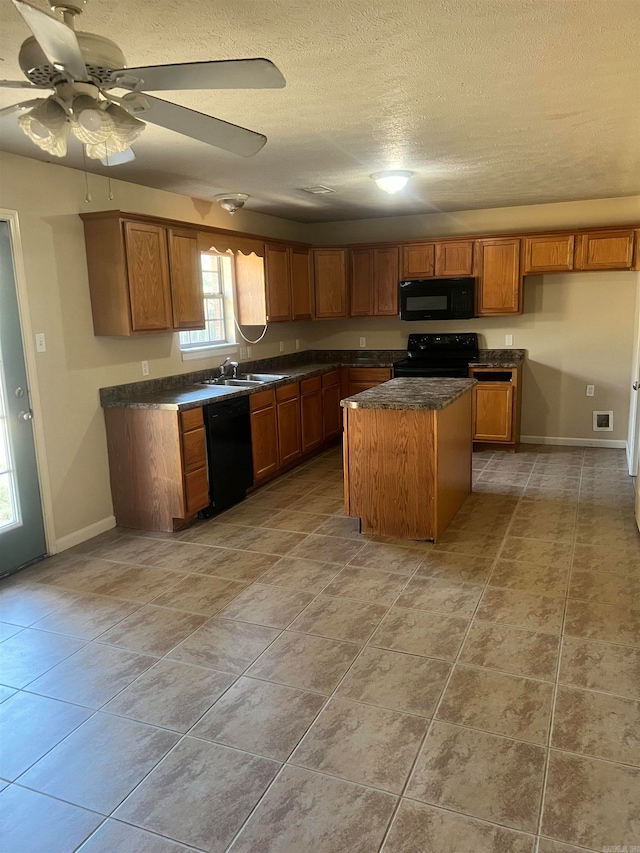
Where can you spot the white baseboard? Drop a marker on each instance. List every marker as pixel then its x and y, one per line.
pixel 85 533
pixel 574 442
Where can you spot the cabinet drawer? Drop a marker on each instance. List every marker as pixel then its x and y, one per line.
pixel 332 378
pixel 196 490
pixel 307 386
pixel 369 374
pixel 191 419
pixel 194 451
pixel 287 392
pixel 262 399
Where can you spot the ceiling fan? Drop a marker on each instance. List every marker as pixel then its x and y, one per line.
pixel 83 69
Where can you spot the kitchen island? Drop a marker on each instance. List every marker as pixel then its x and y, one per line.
pixel 407 455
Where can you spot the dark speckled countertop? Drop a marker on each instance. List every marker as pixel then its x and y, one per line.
pixel 411 394
pixel 499 358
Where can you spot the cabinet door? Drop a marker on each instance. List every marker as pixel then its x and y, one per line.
pixel 386 265
pixel 148 272
pixel 606 251
pixel 264 442
pixel 454 258
pixel 301 296
pixel 361 283
pixel 547 253
pixel 330 282
pixel 417 260
pixel 311 419
pixel 276 271
pixel 493 411
pixel 499 282
pixel 289 442
pixel 186 281
pixel 331 411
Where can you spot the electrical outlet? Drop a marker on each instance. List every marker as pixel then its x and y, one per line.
pixel 591 390
pixel 249 351
pixel 145 368
pixel 297 343
pixel 243 352
pixel 508 340
pixel 363 342
pixel 41 345
pixel 281 346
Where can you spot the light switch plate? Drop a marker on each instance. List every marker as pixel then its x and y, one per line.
pixel 281 346
pixel 243 352
pixel 363 342
pixel 297 343
pixel 591 390
pixel 508 340
pixel 41 345
pixel 145 368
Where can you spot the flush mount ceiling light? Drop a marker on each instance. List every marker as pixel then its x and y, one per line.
pixel 391 182
pixel 231 201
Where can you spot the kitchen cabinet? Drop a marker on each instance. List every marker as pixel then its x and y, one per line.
pixel 264 434
pixel 612 250
pixel 362 378
pixel 300 277
pixel 277 281
pixel 417 260
pixel 330 283
pixel 288 417
pixel 374 280
pixel 331 412
pixel 157 466
pixel 144 277
pixel 454 258
pixel 499 282
pixel 497 402
pixel 312 427
pixel 547 253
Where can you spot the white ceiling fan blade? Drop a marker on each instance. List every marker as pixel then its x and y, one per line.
pixel 57 40
pixel 24 105
pixel 213 131
pixel 16 84
pixel 223 74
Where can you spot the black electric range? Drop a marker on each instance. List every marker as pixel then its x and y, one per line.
pixel 438 355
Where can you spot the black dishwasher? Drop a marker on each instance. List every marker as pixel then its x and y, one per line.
pixel 228 426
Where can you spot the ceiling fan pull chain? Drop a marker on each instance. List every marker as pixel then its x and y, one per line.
pixel 87 198
pixel 106 157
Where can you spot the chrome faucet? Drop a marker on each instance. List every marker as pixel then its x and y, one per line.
pixel 234 369
pixel 221 367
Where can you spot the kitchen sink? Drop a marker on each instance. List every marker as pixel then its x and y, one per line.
pixel 265 377
pixel 247 380
pixel 243 383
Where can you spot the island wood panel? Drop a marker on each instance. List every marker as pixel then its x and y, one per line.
pixel 454 446
pixel 390 471
pixel 301 292
pixel 604 251
pixel 145 468
pixel 186 281
pixel 454 258
pixel 148 271
pixel 547 253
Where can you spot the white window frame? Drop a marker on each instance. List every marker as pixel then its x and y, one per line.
pixel 206 349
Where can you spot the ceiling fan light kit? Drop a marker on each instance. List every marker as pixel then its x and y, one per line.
pixel 82 68
pixel 392 181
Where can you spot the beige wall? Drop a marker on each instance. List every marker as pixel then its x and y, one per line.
pixel 572 316
pixel 578 329
pixel 76 364
pixel 572 214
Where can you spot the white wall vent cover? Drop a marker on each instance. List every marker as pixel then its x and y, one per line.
pixel 603 421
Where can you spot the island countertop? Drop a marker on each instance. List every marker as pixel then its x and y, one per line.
pixel 411 394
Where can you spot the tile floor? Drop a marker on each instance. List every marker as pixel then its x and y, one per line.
pixel 270 680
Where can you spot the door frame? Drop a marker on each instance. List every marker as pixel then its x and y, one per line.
pixel 28 345
pixel 633 437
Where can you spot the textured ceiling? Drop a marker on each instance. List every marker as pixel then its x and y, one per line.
pixel 490 102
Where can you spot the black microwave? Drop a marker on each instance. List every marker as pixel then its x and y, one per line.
pixel 437 299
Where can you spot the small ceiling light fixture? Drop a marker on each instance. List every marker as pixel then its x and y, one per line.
pixel 391 182
pixel 231 201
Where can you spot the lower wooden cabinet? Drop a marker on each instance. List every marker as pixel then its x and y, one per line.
pixel 331 411
pixel 312 428
pixel 496 406
pixel 362 378
pixel 288 412
pixel 264 434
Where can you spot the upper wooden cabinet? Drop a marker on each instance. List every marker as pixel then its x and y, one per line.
pixel 418 260
pixel 300 277
pixel 330 283
pixel 454 258
pixel 374 280
pixel 547 253
pixel 276 273
pixel 143 277
pixel 499 285
pixel 612 250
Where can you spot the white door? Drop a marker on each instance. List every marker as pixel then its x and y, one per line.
pixel 22 537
